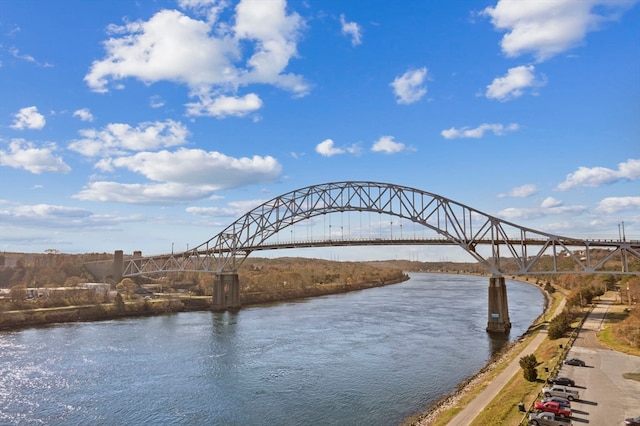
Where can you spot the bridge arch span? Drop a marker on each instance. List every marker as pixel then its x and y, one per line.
pixel 456 224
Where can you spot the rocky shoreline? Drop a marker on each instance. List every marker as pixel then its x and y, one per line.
pixel 431 415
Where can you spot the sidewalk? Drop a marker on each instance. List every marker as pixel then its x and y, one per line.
pixel 468 414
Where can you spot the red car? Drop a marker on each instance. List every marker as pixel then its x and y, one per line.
pixel 552 407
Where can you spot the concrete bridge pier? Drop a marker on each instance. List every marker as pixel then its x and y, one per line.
pixel 118 262
pixel 498 321
pixel 226 292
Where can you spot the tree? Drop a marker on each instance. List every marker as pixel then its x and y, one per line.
pixel 529 363
pixel 119 303
pixel 127 286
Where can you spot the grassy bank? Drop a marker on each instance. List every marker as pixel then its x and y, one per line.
pixel 161 306
pixel 99 312
pixel 503 410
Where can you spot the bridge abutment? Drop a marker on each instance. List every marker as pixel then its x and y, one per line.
pixel 498 321
pixel 226 292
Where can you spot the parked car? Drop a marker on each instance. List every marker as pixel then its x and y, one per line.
pixel 552 407
pixel 564 392
pixel 575 361
pixel 560 400
pixel 564 381
pixel 633 421
pixel 548 419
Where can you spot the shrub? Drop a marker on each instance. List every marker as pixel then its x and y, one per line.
pixel 529 364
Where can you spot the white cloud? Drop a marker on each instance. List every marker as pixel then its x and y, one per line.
pixel 598 176
pixel 234 209
pixel 84 114
pixel 149 193
pixel 25 155
pixel 612 205
pixel 327 148
pixel 120 138
pixel 351 29
pixel 156 101
pixel 521 191
pixel 512 85
pixel 207 56
pixel 548 207
pixel 48 216
pixel 387 145
pixel 409 88
pixel 550 202
pixel 179 181
pixel 28 118
pixel 478 132
pixel 224 106
pixel 211 9
pixel 547 28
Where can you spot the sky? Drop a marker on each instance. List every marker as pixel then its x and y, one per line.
pixel 152 125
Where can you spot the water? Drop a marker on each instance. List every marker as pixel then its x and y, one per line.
pixel 371 357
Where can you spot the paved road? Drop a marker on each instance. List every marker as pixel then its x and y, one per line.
pixel 607 398
pixel 468 414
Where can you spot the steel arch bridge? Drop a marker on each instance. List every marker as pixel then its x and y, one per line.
pixel 493 242
pixel 453 223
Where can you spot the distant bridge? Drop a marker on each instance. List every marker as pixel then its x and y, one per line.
pixel 501 247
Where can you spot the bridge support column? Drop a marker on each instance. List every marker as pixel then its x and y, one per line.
pixel 499 321
pixel 226 292
pixel 118 265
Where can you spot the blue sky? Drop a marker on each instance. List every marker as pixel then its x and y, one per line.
pixel 151 124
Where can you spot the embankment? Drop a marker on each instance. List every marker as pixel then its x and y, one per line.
pixel 16 319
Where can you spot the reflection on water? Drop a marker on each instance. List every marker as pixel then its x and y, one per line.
pixel 370 357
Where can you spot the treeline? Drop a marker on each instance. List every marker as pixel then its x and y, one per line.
pixel 583 289
pixel 261 280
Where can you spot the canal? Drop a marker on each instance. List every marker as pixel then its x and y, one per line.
pixel 371 357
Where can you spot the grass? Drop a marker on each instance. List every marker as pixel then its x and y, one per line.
pixel 606 336
pixel 503 409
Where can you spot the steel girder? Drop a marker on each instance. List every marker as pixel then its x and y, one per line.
pixel 454 223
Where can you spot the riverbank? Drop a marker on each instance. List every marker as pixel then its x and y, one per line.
pixel 440 411
pixel 18 319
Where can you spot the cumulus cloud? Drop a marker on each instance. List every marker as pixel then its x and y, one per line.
pixel 327 148
pixel 612 205
pixel 548 207
pixel 514 83
pixel 521 191
pixel 478 132
pixel 25 155
pixel 409 87
pixel 351 29
pixel 206 55
pixel 83 114
pixel 387 145
pixel 233 209
pixel 120 138
pixel 224 106
pixel 547 28
pixel 28 118
pixel 598 176
pixel 550 202
pixel 174 179
pixel 48 216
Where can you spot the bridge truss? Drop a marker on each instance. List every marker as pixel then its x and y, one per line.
pixel 501 247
